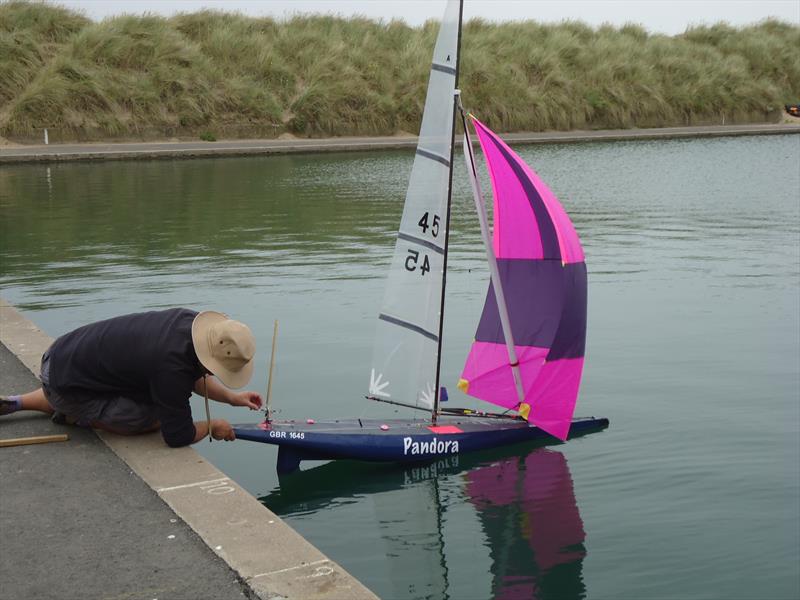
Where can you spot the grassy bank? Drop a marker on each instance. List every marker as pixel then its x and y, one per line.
pixel 214 74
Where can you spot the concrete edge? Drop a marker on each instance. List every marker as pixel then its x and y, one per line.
pixel 269 556
pixel 221 149
pixel 179 150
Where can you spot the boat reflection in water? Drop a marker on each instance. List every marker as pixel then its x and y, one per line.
pixel 528 512
pixel 505 525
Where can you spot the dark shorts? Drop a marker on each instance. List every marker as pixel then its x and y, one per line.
pixel 86 407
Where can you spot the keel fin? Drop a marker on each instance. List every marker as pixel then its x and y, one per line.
pixel 288 460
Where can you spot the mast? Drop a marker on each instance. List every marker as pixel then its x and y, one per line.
pixel 456 96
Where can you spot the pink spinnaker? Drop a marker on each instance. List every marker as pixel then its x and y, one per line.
pixel 543 275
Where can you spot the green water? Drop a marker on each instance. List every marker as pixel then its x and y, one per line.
pixel 693 250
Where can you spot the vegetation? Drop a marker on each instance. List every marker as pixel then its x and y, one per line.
pixel 236 76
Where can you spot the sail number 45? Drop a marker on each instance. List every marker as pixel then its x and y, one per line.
pixel 434 224
pixel 413 258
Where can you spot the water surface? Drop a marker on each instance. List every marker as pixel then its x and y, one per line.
pixel 693 352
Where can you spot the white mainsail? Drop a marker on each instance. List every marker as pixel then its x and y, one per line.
pixel 405 357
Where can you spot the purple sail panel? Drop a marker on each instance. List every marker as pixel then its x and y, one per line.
pixel 546 303
pixel 543 274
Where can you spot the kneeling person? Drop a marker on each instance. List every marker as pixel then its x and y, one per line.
pixel 135 374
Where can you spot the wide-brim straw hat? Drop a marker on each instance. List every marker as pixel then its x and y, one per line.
pixel 225 347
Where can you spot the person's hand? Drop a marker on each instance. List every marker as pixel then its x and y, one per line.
pixel 222 430
pixel 251 400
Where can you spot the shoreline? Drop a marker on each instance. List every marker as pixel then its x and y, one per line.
pixel 99 151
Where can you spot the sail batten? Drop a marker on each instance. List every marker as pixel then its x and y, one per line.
pixel 409 326
pixel 443 68
pixel 542 274
pixel 433 156
pixel 414 239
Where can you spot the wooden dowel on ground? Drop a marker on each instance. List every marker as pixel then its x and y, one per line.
pixel 37 439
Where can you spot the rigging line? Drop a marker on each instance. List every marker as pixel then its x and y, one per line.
pixel 409 326
pixel 420 241
pixel 376 399
pixel 208 412
pixel 478 414
pixel 363 412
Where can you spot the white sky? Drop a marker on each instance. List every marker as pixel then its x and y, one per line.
pixel 657 16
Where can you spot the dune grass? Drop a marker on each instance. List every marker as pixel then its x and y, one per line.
pixel 228 75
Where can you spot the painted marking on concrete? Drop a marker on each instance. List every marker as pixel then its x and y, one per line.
pixel 321 572
pixel 303 566
pixel 215 487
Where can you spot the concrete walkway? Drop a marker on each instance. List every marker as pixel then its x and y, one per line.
pixel 127 517
pixel 75 522
pixel 154 150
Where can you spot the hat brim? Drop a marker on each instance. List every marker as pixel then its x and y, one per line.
pixel 201 325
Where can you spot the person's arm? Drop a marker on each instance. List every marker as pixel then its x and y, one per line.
pixel 218 392
pixel 220 430
pixel 170 391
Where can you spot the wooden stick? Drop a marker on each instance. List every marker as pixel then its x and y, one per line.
pixel 271 365
pixel 37 439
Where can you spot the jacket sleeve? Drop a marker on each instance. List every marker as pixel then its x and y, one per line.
pixel 171 393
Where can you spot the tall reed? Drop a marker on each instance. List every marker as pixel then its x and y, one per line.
pixel 228 75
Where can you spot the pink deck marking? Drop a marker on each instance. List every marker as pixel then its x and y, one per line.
pixel 445 429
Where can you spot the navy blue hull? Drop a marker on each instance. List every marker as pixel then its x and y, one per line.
pixel 396 440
